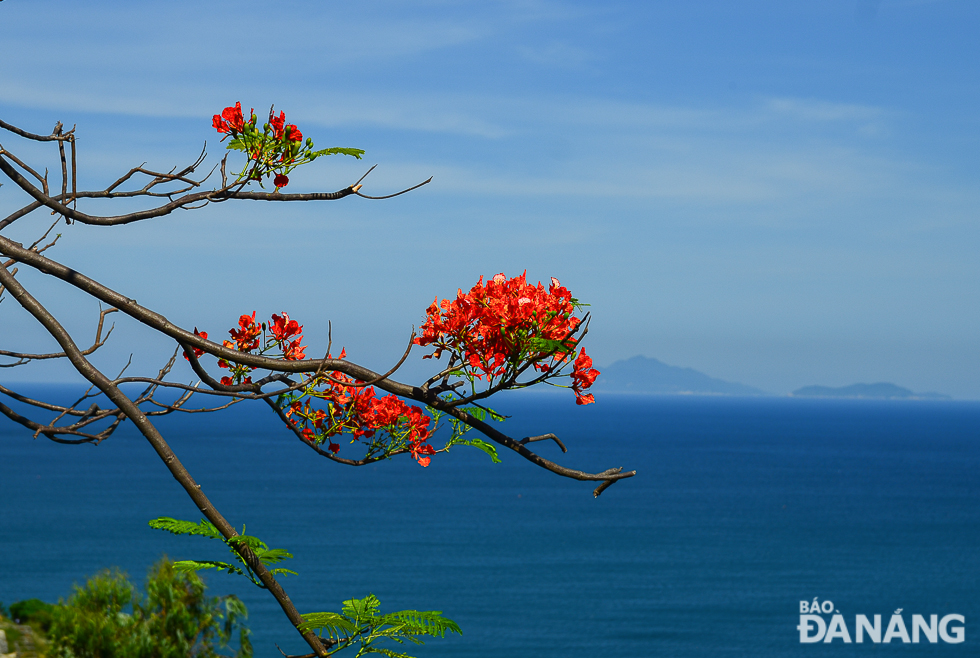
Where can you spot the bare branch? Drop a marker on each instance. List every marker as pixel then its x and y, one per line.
pixel 56 134
pixel 390 196
pixel 544 437
pixel 99 342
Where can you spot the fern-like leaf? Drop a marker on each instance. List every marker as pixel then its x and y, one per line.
pixel 178 527
pixel 414 622
pixel 273 555
pixel 282 572
pixel 362 609
pixel 355 153
pixel 477 412
pixel 334 624
pixel 387 652
pixel 198 565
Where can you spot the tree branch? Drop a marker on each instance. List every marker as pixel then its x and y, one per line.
pixel 163 450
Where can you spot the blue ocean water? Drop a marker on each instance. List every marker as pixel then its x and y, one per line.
pixel 741 508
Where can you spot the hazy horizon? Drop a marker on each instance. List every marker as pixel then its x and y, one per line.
pixel 774 194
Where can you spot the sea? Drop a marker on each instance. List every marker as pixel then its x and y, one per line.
pixel 742 511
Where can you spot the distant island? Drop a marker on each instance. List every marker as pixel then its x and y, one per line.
pixel 879 391
pixel 641 374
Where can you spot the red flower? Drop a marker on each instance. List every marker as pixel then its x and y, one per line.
pixel 419 448
pixel 247 336
pixel 293 134
pixel 583 376
pixel 281 180
pixel 230 120
pixel 294 351
pixel 197 351
pixel 277 123
pixel 283 329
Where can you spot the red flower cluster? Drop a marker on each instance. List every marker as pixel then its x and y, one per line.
pixel 274 150
pixel 360 412
pixel 499 329
pixel 286 334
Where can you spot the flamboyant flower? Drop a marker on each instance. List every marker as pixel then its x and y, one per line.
pixel 197 351
pixel 418 448
pixel 230 120
pixel 283 328
pixel 293 134
pixel 247 335
pixel 277 124
pixel 583 376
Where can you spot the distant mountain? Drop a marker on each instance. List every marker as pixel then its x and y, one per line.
pixel 643 375
pixel 881 391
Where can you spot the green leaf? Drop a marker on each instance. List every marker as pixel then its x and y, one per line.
pixel 477 412
pixel 254 543
pixel 365 608
pixel 481 413
pixel 178 527
pixel 482 445
pixel 414 622
pixel 273 555
pixel 335 624
pixel 355 153
pixel 389 653
pixel 550 346
pixel 195 565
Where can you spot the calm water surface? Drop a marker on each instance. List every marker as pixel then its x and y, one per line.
pixel 741 508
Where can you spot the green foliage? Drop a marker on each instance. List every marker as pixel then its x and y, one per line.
pixel 360 624
pixel 108 618
pixel 460 429
pixel 34 612
pixel 488 448
pixel 337 150
pixel 178 527
pixel 481 413
pixel 267 556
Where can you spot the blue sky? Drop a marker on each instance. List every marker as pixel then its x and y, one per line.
pixel 774 193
